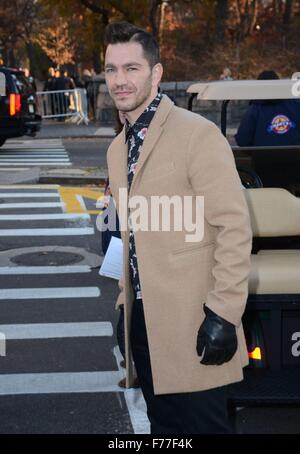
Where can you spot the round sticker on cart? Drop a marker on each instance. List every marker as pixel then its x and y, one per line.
pixel 281 124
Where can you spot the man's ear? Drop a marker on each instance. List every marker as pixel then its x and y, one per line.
pixel 157 72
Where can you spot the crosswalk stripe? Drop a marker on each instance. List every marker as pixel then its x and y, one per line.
pixel 56 330
pixel 36 187
pixel 61 382
pixel 33 152
pixel 30 160
pixel 49 293
pixel 32 205
pixel 23 149
pixel 39 164
pixel 35 155
pixel 69 269
pixel 43 217
pixel 17 195
pixel 18 169
pixel 48 231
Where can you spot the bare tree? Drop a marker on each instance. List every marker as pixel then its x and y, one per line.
pixel 154 17
pixel 286 20
pixel 221 18
pixel 246 13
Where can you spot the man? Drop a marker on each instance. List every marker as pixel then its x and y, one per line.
pixel 183 300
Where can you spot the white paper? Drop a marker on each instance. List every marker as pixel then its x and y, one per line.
pixel 112 265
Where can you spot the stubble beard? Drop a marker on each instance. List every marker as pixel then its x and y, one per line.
pixel 139 101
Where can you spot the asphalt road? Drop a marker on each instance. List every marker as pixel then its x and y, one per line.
pixel 89 152
pixel 61 369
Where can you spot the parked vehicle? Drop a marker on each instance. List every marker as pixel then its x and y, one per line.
pixel 272 316
pixel 18 113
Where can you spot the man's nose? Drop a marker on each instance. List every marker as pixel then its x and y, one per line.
pixel 120 78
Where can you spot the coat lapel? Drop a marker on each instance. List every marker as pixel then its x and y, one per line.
pixel 152 136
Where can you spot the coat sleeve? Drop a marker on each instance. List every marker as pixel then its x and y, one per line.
pixel 212 174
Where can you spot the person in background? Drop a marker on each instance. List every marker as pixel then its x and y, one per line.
pixel 271 122
pixel 49 84
pixel 70 84
pixel 61 99
pixel 183 301
pixel 49 100
pixel 30 79
pixel 226 74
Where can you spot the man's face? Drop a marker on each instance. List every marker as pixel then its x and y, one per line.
pixel 130 81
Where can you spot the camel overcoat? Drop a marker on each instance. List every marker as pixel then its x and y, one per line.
pixel 186 155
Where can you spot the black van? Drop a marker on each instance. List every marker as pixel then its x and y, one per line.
pixel 18 115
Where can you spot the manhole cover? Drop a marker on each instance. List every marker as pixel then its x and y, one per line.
pixel 45 258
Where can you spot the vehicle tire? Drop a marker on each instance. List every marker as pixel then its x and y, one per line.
pixel 2 141
pixel 249 178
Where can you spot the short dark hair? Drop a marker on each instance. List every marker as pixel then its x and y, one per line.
pixel 124 32
pixel 268 75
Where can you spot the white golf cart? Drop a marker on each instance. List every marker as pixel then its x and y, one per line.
pixel 272 316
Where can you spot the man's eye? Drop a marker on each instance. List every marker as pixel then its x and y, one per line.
pixel 132 68
pixel 109 70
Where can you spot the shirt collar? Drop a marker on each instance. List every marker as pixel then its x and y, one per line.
pixel 144 119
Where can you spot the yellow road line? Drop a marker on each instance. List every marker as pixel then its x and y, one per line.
pixel 72 205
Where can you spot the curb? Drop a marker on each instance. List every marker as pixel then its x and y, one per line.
pixel 76 137
pixel 72 180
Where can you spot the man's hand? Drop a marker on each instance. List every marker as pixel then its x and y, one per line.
pixel 217 338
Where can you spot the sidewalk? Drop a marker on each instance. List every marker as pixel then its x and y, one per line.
pixel 53 129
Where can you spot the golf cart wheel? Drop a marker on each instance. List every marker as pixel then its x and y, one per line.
pixel 249 178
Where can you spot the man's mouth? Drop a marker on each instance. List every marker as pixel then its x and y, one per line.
pixel 121 94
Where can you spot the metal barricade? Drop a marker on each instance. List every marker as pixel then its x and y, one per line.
pixel 68 104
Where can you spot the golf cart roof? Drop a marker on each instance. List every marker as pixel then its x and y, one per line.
pixel 244 89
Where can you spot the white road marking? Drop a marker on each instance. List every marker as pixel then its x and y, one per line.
pixel 29 186
pixel 43 217
pixel 48 232
pixel 56 330
pixel 37 157
pixel 40 164
pixel 81 201
pixel 33 150
pixel 15 170
pixel 49 293
pixel 32 205
pixel 18 195
pixel 34 154
pixel 62 382
pixel 33 160
pixel 135 403
pixel 70 269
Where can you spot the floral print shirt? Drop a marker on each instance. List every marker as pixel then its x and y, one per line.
pixel 135 136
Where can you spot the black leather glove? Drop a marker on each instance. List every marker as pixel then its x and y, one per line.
pixel 217 337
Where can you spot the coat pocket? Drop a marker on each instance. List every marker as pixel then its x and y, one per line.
pixel 192 249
